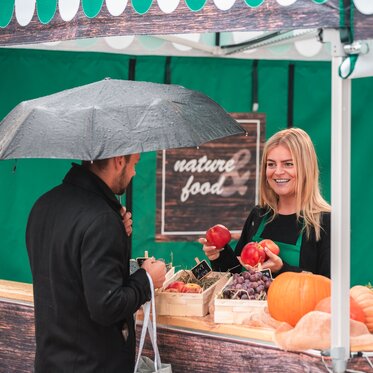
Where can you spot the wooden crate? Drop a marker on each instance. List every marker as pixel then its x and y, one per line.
pixel 187 304
pixel 235 311
pixel 169 275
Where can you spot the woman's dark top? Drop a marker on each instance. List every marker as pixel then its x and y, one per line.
pixel 314 255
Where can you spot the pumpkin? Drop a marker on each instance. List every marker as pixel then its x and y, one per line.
pixel 363 296
pixel 356 312
pixel 291 295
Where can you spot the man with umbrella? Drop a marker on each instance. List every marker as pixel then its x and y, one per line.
pixel 84 295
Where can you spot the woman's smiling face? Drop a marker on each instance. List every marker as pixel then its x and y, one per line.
pixel 281 171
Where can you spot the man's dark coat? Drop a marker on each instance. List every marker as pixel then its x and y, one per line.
pixel 83 291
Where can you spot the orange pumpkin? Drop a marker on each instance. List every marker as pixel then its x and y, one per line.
pixel 356 312
pixel 292 295
pixel 363 296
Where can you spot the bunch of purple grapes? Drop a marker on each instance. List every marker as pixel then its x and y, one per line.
pixel 248 285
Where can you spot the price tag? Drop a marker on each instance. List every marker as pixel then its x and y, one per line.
pixel 267 272
pixel 201 270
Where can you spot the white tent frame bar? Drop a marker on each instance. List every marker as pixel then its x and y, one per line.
pixel 340 201
pixel 255 43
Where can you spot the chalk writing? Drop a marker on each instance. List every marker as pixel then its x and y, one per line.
pixel 201 270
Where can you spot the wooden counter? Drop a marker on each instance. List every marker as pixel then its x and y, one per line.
pixel 17 291
pixel 190 344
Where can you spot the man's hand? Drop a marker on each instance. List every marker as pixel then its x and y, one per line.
pixel 127 221
pixel 156 270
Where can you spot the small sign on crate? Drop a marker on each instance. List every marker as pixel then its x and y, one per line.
pixel 267 272
pixel 201 270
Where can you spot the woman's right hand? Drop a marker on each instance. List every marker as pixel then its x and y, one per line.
pixel 211 251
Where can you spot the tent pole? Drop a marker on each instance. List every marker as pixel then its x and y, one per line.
pixel 340 220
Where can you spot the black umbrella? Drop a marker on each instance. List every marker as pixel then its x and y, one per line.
pixel 110 118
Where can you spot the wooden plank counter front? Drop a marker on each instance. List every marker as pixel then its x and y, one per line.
pixel 190 344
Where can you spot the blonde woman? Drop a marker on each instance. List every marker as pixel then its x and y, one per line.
pixel 291 211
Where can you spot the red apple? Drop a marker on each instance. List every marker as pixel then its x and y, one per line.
pixel 175 286
pixel 269 244
pixel 191 288
pixel 218 236
pixel 252 254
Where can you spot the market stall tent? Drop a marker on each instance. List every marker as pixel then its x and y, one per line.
pixel 339 24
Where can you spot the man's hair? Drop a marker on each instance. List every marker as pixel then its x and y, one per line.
pixel 101 164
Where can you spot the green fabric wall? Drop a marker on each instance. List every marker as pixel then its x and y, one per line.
pixel 27 74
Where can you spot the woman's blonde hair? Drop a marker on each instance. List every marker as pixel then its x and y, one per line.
pixel 309 202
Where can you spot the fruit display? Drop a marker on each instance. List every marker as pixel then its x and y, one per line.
pixel 187 283
pixel 270 245
pixel 175 287
pixel 184 295
pixel 363 296
pixel 218 236
pixel 251 285
pixel 253 253
pixel 292 295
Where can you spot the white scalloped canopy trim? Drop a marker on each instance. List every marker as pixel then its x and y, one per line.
pixel 224 4
pixel 115 7
pixel 308 48
pixel 286 2
pixel 364 6
pixel 68 9
pixel 24 11
pixel 119 42
pixel 168 6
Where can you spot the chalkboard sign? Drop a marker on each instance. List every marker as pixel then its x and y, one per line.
pixel 201 270
pixel 267 272
pixel 214 183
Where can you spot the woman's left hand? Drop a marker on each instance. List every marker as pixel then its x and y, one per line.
pixel 127 221
pixel 274 262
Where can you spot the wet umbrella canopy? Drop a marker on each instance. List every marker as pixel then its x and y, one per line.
pixel 110 118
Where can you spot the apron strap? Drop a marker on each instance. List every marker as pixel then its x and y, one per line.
pixel 288 252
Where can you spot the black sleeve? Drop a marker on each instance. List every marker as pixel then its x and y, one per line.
pixel 227 260
pixel 110 294
pixel 323 247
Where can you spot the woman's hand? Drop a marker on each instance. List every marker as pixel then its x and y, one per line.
pixel 248 266
pixel 274 262
pixel 127 221
pixel 210 251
